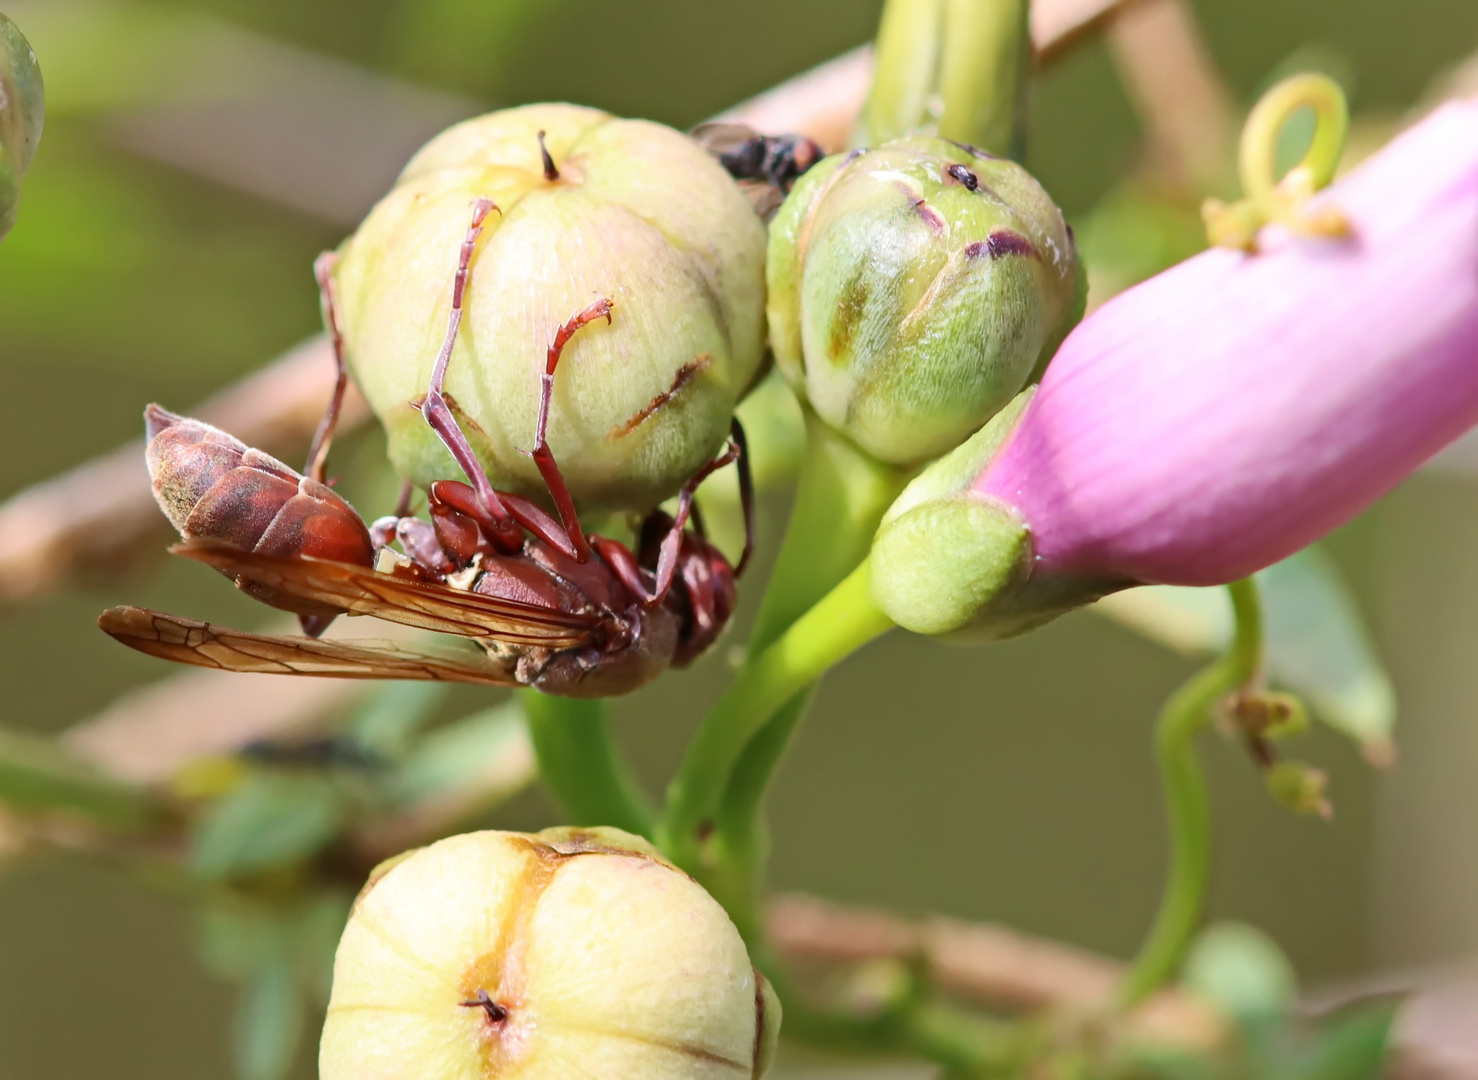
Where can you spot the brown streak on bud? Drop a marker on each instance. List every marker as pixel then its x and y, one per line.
pixel 759 1025
pixel 1003 242
pixel 849 314
pixel 685 375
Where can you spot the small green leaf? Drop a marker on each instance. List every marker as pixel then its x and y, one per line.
pixel 317 925
pixel 1352 1047
pixel 393 714
pixel 1241 970
pixel 236 937
pixel 271 821
pixel 1317 646
pixel 486 756
pixel 269 1024
pixel 38 776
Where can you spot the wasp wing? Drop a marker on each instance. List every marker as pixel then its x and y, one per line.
pixel 361 590
pixel 187 641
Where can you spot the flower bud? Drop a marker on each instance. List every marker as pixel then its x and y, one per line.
pixel 22 103
pixel 625 210
pixel 914 289
pixel 1220 416
pixel 571 952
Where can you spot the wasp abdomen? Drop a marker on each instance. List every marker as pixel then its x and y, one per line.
pixel 213 486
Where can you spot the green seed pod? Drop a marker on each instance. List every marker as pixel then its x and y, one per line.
pixel 914 289
pixel 22 105
pixel 570 952
pixel 625 210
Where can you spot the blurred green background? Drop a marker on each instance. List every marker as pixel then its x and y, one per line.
pixel 1013 783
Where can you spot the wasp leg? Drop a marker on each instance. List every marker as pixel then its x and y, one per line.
pixel 667 558
pixel 542 455
pixel 503 529
pixel 323 269
pixel 746 491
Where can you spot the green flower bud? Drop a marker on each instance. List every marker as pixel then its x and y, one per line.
pixel 1302 788
pixel 571 952
pixel 914 289
pixel 630 211
pixel 22 105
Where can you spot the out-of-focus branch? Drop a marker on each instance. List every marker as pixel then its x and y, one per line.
pixel 991 965
pixel 98 516
pixel 1186 108
pixel 824 102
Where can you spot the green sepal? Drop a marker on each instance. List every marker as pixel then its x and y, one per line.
pixel 959 563
pixel 937 568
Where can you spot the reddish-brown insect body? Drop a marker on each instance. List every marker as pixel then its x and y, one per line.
pixel 542 603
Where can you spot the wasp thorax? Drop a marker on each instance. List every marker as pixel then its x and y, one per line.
pixel 588 207
pixel 213 487
pixel 559 954
pixel 914 289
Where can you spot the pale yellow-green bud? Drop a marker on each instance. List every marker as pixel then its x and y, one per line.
pixel 566 953
pixel 638 214
pixel 914 289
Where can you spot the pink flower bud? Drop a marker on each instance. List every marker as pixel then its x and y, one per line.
pixel 1227 412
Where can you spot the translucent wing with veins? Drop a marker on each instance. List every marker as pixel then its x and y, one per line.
pixel 188 641
pixel 360 590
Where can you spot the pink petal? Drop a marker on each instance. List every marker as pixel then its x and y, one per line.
pixel 1229 411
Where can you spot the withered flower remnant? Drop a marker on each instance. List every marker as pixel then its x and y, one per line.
pixel 589 207
pixel 570 952
pixel 914 289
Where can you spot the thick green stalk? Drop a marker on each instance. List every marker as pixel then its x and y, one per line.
pixel 842 495
pixel 844 621
pixel 580 765
pixel 1186 804
pixel 957 68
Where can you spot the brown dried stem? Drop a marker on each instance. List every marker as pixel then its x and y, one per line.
pixel 989 965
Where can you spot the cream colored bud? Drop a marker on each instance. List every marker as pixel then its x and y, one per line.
pixel 567 953
pixel 636 213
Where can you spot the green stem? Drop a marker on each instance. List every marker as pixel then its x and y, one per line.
pixel 842 495
pixel 579 764
pixel 1186 804
pixel 844 621
pixel 953 67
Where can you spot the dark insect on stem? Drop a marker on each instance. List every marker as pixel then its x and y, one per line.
pixel 964 176
pixel 539 602
pixel 770 164
pixel 496 1013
